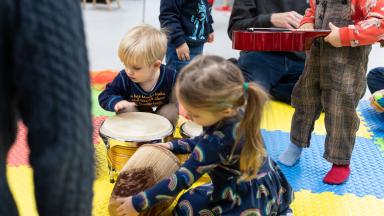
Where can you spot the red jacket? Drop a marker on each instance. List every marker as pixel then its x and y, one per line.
pixel 368 28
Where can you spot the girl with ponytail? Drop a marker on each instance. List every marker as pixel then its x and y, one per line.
pixel 245 181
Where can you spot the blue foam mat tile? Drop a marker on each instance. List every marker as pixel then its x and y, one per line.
pixel 373 119
pixel 367 166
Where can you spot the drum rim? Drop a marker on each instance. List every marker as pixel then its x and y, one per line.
pixel 183 132
pixel 169 132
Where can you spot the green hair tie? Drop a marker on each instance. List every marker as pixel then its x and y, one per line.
pixel 245 86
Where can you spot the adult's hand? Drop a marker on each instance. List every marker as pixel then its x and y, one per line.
pixel 289 20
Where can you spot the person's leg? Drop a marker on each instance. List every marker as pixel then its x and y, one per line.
pixel 283 90
pixel 173 62
pixel 375 79
pixel 344 84
pixel 169 111
pixel 307 103
pixel 8 125
pixel 194 202
pixel 55 104
pixel 7 137
pixel 264 68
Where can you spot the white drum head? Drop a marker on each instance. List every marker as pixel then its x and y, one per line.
pixel 191 129
pixel 136 127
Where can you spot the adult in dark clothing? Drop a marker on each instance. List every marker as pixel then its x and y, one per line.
pixel 375 79
pixel 277 72
pixel 44 82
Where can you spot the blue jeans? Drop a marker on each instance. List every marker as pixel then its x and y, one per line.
pixel 173 62
pixel 375 79
pixel 276 73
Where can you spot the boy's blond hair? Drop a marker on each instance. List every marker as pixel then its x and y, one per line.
pixel 143 45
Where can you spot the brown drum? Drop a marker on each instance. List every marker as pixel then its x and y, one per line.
pixel 149 165
pixel 124 133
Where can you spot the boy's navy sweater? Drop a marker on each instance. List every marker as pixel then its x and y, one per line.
pixel 123 88
pixel 186 20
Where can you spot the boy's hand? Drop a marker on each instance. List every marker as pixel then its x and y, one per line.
pixel 183 52
pixel 307 26
pixel 124 105
pixel 374 104
pixel 334 37
pixel 289 20
pixel 126 207
pixel 211 38
pixel 166 145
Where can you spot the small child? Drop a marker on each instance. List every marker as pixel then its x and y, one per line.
pixel 377 101
pixel 334 79
pixel 145 84
pixel 245 181
pixel 375 79
pixel 189 23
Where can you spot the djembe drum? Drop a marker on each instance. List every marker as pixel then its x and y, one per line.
pixel 189 129
pixel 124 133
pixel 146 167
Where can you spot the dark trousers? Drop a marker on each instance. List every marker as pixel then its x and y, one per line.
pixel 276 73
pixel 173 62
pixel 375 79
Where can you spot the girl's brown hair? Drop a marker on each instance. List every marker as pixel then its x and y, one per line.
pixel 213 84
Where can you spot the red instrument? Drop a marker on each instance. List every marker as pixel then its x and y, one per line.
pixel 275 39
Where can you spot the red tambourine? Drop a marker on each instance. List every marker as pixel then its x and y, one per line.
pixel 275 39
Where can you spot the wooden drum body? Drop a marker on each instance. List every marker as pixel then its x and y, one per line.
pixel 124 133
pixel 149 165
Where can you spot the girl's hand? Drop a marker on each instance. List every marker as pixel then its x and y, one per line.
pixel 124 105
pixel 307 26
pixel 334 37
pixel 211 38
pixel 183 52
pixel 126 207
pixel 166 145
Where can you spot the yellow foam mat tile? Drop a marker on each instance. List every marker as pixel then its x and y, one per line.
pixel 20 181
pixel 305 204
pixel 329 204
pixel 278 116
pixel 102 190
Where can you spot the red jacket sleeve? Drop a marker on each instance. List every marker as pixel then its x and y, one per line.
pixel 371 27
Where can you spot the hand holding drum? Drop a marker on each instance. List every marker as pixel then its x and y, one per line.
pixel 147 166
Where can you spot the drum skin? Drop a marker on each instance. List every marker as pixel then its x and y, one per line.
pixel 124 133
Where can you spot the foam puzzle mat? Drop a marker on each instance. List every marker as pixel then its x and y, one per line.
pixel 362 194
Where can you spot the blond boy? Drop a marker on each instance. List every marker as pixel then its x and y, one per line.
pixel 144 85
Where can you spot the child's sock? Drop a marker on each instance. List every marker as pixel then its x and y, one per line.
pixel 290 155
pixel 338 174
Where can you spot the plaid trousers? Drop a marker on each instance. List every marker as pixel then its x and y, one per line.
pixel 333 81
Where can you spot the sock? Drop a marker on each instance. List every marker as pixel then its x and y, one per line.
pixel 290 155
pixel 338 174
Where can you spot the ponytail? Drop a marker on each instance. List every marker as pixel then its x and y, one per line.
pixel 253 151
